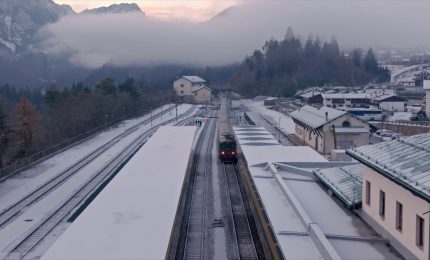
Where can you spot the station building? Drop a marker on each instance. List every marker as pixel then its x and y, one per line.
pixel 396 192
pixel 192 89
pixel 326 129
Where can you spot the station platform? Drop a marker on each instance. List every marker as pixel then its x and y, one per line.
pixel 134 215
pixel 307 222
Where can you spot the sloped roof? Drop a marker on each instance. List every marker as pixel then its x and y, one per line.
pixel 316 117
pixel 346 182
pixel 405 161
pixel 388 97
pixel 195 89
pixel 194 79
pixel 346 95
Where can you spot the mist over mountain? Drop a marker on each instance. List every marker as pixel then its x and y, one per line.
pixel 51 43
pixel 114 9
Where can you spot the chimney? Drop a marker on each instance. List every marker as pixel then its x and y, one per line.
pixel 326 116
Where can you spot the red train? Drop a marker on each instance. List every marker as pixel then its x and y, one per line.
pixel 227 148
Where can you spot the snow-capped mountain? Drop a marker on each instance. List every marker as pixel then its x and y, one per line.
pixel 21 19
pixel 114 9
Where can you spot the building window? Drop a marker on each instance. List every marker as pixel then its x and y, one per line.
pixel 381 203
pixel 399 216
pixel 346 124
pixel 310 136
pixel 368 193
pixel 420 232
pixel 182 85
pixel 182 92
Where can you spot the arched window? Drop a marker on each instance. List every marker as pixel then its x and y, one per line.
pixel 346 124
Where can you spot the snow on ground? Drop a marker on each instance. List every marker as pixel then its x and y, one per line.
pixel 133 217
pixel 38 211
pixel 287 123
pixel 20 184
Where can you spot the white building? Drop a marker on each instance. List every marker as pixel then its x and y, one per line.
pixel 326 129
pixel 192 89
pixel 426 85
pixel 396 192
pixel 390 102
pixel 337 100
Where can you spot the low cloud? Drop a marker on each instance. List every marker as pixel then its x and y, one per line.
pixel 127 39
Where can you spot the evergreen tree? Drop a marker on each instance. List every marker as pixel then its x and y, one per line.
pixel 356 57
pixel 27 120
pixel 370 62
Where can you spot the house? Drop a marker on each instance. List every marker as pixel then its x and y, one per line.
pixel 396 192
pixel 192 89
pixel 325 129
pixel 426 86
pixel 389 102
pixel 337 100
pixel 421 77
pixel 270 101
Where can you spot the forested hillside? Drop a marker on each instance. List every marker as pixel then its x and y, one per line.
pixel 282 67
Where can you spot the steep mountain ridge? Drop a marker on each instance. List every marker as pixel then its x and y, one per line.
pixel 114 9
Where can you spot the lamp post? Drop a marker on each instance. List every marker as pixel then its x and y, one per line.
pixel 176 112
pixel 279 128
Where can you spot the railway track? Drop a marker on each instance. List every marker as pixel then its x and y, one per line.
pixel 242 235
pixel 20 249
pixel 11 212
pixel 195 239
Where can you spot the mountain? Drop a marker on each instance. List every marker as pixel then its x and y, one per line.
pixel 114 9
pixel 20 21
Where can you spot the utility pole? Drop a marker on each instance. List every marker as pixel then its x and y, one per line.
pixel 176 112
pixel 106 117
pixel 279 128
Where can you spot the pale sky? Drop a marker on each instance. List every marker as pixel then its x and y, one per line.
pixel 193 10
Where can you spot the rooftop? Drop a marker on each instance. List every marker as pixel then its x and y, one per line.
pixel 316 117
pixel 133 216
pixel 346 182
pixel 346 95
pixel 194 79
pixel 404 161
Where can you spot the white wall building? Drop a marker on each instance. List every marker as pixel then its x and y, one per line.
pixel 326 129
pixel 426 85
pixel 390 102
pixel 346 100
pixel 192 89
pixel 396 192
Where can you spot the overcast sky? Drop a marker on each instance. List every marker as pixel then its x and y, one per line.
pixel 128 39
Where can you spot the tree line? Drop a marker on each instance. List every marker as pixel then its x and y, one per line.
pixel 33 119
pixel 284 66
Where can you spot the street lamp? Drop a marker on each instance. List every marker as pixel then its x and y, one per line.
pixel 279 128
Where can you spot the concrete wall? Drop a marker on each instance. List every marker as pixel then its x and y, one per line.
pixel 412 206
pixel 310 138
pixel 392 106
pixel 404 128
pixel 182 87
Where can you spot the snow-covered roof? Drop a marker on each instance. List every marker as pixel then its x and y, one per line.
pixel 404 161
pixel 301 221
pixel 346 95
pixel 388 97
pixel 194 79
pixel 316 117
pixel 198 88
pixel 346 182
pixel 133 217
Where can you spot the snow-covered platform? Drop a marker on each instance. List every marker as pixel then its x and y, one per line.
pixel 306 221
pixel 134 216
